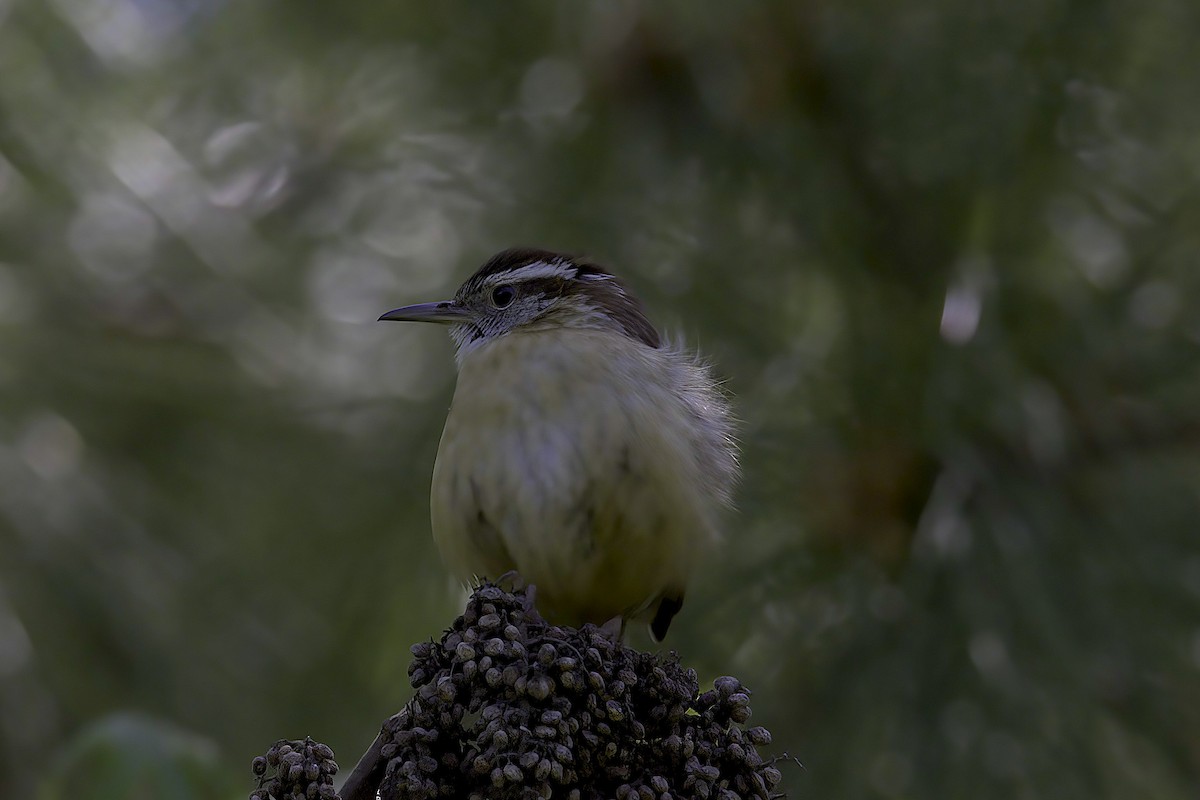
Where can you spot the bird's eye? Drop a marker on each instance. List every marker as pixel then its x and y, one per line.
pixel 502 296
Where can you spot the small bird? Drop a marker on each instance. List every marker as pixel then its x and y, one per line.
pixel 580 451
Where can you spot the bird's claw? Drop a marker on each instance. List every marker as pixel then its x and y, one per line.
pixel 614 629
pixel 515 583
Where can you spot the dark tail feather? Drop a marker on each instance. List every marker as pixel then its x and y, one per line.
pixel 668 607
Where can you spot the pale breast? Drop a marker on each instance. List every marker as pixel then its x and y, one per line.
pixel 572 457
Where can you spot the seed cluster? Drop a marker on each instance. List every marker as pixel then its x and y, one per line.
pixel 508 706
pixel 299 770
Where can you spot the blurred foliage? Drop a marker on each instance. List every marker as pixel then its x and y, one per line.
pixel 130 756
pixel 944 253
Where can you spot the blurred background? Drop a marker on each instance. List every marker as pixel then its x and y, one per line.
pixel 944 254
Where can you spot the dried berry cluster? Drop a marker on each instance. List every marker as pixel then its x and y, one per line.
pixel 303 770
pixel 509 706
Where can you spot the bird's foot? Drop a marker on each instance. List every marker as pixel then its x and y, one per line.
pixel 511 580
pixel 614 629
pixel 531 602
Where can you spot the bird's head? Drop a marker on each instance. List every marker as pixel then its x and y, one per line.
pixel 524 290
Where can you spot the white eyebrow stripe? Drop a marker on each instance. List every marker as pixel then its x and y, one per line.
pixel 540 269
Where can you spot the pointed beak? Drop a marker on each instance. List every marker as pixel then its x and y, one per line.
pixel 447 311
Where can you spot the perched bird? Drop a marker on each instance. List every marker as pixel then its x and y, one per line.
pixel 580 451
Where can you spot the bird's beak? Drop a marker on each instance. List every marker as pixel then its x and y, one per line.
pixel 447 311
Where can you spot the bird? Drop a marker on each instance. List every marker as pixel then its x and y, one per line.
pixel 582 451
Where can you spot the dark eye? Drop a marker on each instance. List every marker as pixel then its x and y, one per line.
pixel 502 296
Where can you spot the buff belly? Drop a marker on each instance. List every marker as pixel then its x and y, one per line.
pixel 591 493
